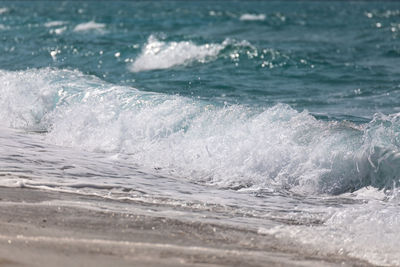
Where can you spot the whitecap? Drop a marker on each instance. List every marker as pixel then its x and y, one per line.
pixel 366 230
pixel 58 31
pixel 3 10
pixel 89 26
pixel 231 146
pixel 158 54
pixel 54 23
pixel 250 17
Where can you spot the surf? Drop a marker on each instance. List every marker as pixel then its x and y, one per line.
pixel 229 146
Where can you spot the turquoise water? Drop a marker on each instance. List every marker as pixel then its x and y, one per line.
pixel 339 60
pixel 283 108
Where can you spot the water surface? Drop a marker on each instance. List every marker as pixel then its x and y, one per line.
pixel 277 116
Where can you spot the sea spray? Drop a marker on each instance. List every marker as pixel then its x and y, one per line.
pixel 229 146
pixel 158 54
pixel 263 115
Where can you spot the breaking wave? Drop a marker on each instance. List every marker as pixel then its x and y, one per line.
pixel 158 54
pixel 3 10
pixel 89 26
pixel 55 23
pixel 250 17
pixel 228 146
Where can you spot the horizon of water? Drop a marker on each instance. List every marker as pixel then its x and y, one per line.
pixel 274 112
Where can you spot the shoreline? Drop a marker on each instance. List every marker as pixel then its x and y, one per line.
pixel 47 232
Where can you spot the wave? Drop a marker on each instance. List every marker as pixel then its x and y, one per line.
pixel 58 31
pixel 228 146
pixel 363 230
pixel 252 17
pixel 158 54
pixel 89 26
pixel 3 10
pixel 55 27
pixel 54 23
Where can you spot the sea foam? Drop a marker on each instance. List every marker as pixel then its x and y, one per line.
pixel 3 10
pixel 227 146
pixel 89 26
pixel 252 17
pixel 363 230
pixel 54 23
pixel 157 54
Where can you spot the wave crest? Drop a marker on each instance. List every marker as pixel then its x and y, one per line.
pixel 158 54
pixel 232 146
pixel 89 26
pixel 252 17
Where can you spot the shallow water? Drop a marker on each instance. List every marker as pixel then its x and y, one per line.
pixel 278 116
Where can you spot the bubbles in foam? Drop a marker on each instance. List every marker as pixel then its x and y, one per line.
pixel 362 230
pixel 25 98
pixel 253 17
pixel 89 26
pixel 158 54
pixel 232 146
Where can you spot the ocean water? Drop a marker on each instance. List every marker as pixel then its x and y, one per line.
pixel 278 116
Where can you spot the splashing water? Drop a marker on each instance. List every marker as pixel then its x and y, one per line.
pixel 230 146
pixel 277 117
pixel 161 55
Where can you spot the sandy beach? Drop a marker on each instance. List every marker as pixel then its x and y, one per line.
pixel 46 228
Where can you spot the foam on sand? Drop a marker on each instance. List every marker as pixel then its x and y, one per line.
pixel 233 147
pixel 363 230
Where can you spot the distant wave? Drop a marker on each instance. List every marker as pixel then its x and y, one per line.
pixel 158 54
pixel 58 30
pixel 88 26
pixel 3 10
pixel 54 23
pixel 252 17
pixel 232 146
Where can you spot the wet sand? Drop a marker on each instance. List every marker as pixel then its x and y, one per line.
pixel 48 228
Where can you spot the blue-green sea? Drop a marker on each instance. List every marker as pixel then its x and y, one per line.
pixel 287 111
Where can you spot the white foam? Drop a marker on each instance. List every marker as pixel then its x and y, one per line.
pixel 54 53
pixel 58 31
pixel 89 26
pixel 54 23
pixel 3 10
pixel 25 99
pixel 231 146
pixel 225 146
pixel 368 231
pixel 158 54
pixel 252 17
